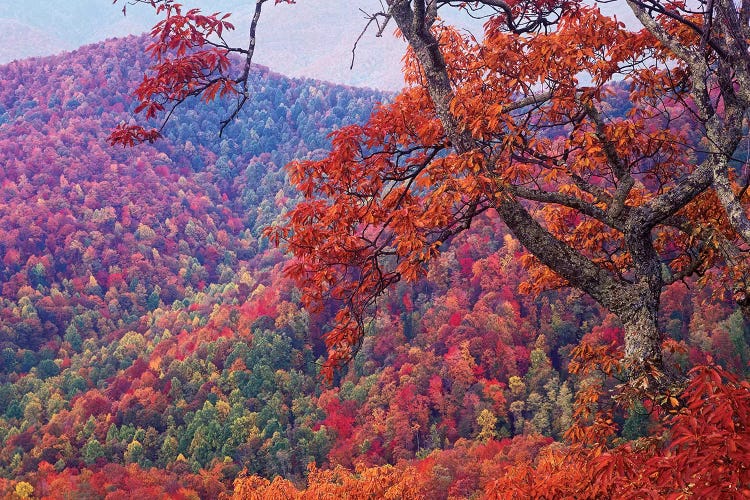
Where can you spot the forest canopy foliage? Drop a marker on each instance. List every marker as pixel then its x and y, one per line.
pixel 154 344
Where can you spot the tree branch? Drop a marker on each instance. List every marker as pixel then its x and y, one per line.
pixel 565 200
pixel 567 262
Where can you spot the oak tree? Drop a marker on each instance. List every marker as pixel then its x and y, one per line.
pixel 517 124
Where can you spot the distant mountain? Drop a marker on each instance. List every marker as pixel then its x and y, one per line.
pixel 312 38
pixel 75 23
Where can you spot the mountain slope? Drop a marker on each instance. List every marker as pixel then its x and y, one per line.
pixel 116 260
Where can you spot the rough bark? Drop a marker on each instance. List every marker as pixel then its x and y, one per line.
pixel 643 338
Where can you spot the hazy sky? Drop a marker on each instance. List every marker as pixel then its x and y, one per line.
pixel 310 38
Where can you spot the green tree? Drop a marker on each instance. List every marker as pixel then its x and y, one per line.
pixel 168 451
pixel 92 451
pixel 134 453
pixel 47 368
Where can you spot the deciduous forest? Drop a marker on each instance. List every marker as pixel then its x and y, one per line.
pixel 523 276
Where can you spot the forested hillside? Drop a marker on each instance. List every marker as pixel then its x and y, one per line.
pixel 151 345
pixel 119 264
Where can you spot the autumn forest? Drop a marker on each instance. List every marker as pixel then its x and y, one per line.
pixel 523 276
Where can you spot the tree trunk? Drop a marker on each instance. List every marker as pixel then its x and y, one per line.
pixel 642 338
pixel 639 313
